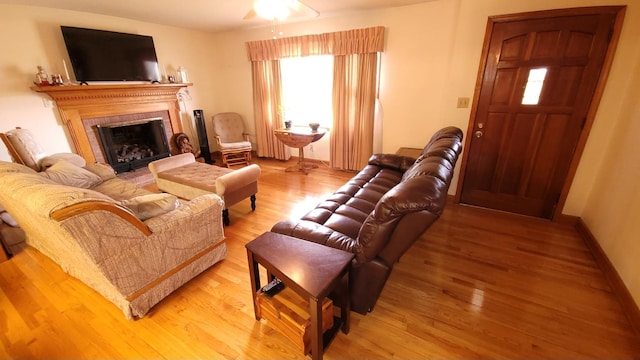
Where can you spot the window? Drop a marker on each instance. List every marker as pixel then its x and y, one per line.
pixel 307 86
pixel 534 86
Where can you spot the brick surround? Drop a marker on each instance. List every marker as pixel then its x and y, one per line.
pixel 83 107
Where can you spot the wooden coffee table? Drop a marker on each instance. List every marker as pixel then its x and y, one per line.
pixel 311 270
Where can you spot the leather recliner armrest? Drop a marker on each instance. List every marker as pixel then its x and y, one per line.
pixel 392 161
pixel 314 232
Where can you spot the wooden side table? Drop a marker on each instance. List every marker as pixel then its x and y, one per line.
pixel 311 270
pixel 9 236
pixel 299 137
pixel 410 152
pixel 4 251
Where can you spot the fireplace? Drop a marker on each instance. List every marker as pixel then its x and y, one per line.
pixel 81 108
pixel 131 145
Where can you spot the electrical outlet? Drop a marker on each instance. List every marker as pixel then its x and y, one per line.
pixel 463 102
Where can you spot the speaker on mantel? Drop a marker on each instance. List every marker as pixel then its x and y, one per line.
pixel 202 136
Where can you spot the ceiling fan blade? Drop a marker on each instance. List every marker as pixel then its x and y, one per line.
pixel 250 15
pixel 304 8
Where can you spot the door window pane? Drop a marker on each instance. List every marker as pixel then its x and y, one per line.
pixel 534 86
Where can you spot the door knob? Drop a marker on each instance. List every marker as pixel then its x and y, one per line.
pixel 479 134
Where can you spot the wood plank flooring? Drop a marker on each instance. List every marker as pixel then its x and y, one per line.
pixel 477 284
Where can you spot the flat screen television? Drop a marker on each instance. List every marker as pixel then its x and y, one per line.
pixel 99 55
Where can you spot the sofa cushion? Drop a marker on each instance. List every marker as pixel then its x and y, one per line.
pixel 43 196
pixel 11 167
pixel 66 173
pixel 432 166
pixel 151 205
pixel 119 189
pixel 419 194
pixel 446 144
pixel 105 172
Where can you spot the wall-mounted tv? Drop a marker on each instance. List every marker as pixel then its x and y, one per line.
pixel 99 55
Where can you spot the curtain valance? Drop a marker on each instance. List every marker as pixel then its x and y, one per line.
pixel 358 41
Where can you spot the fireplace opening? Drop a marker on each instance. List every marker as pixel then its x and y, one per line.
pixel 132 145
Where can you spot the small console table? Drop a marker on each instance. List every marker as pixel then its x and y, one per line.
pixel 299 137
pixel 311 270
pixel 410 152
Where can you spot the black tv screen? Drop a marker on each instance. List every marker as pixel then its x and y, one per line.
pixel 99 55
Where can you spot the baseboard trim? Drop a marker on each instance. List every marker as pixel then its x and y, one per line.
pixel 618 287
pixel 566 219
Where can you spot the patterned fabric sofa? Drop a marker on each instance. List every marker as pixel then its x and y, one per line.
pixel 381 212
pixel 128 244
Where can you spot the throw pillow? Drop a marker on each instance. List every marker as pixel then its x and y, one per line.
pixel 48 161
pixel 105 171
pixel 151 205
pixel 66 173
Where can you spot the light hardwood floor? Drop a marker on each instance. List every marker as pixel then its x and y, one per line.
pixel 477 284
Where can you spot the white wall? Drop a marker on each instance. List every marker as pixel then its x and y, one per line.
pixel 613 205
pixel 30 36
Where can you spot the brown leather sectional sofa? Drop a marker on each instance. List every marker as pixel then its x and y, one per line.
pixel 381 212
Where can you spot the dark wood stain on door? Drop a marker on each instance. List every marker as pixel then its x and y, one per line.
pixel 520 155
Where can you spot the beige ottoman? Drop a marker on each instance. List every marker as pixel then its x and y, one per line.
pixel 183 176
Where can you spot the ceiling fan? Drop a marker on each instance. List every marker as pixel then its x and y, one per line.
pixel 279 9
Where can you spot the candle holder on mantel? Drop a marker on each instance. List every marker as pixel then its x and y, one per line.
pixel 56 80
pixel 67 79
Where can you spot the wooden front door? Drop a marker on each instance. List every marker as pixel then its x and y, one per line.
pixel 535 93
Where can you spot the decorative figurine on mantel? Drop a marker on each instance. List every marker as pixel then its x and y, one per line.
pixel 42 78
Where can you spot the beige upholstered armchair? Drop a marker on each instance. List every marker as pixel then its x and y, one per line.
pixel 231 138
pixel 25 150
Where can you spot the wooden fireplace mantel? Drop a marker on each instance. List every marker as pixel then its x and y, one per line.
pixel 78 102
